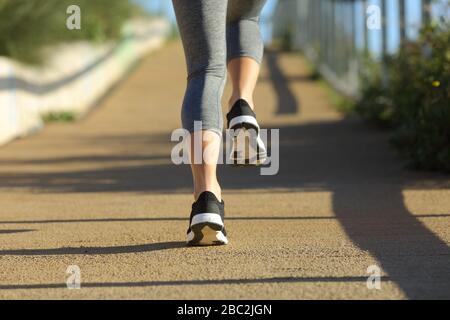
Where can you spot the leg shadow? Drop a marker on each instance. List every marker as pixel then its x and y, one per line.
pixel 95 250
pixel 286 101
pixel 377 221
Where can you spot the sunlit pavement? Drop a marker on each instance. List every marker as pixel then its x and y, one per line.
pixel 102 194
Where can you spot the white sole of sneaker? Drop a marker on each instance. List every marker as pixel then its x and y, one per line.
pixel 212 218
pixel 206 230
pixel 246 150
pixel 206 236
pixel 238 121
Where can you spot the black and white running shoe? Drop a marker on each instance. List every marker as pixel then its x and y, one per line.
pixel 248 147
pixel 206 227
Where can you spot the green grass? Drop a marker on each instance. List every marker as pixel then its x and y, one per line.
pixel 342 103
pixel 64 116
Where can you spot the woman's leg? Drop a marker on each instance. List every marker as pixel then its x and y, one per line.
pixel 244 48
pixel 202 26
pixel 244 54
pixel 204 173
pixel 244 74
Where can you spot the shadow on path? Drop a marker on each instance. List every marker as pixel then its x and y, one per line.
pixel 153 219
pixel 287 102
pixel 191 282
pixel 95 250
pixel 15 231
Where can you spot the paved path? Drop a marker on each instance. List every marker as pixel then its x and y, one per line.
pixel 102 194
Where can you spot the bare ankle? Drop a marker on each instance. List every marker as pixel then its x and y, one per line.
pixel 212 188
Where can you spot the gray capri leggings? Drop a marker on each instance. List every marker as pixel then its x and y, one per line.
pixel 214 32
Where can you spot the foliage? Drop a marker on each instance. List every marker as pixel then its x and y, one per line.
pixel 28 26
pixel 414 98
pixel 59 117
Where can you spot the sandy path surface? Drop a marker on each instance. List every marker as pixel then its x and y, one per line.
pixel 103 194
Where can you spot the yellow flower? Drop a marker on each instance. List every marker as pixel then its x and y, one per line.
pixel 436 83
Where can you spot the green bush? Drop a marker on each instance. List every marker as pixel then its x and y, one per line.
pixel 414 99
pixel 59 117
pixel 28 26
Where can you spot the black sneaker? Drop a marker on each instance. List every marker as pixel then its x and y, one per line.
pixel 206 227
pixel 248 147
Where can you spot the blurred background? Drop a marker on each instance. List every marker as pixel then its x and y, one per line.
pixel 396 76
